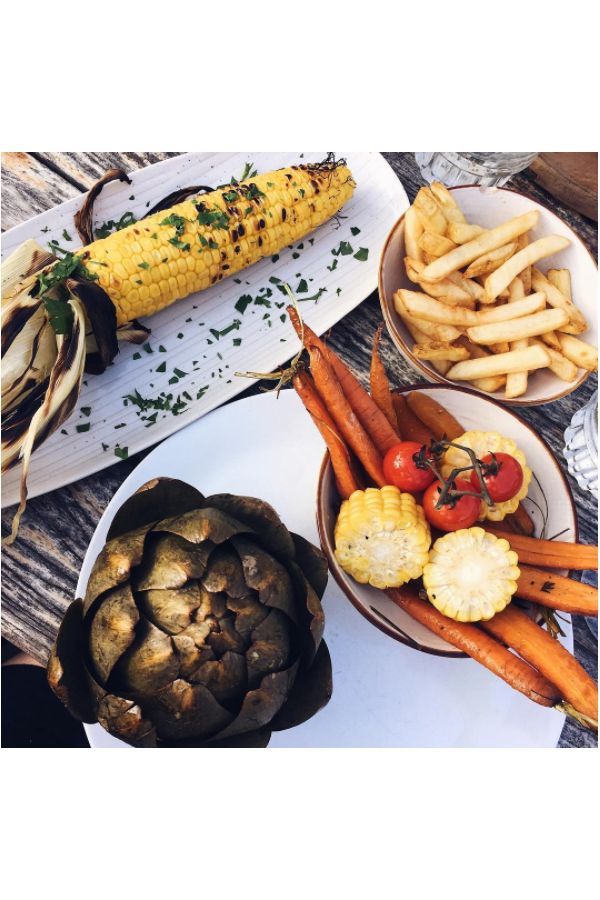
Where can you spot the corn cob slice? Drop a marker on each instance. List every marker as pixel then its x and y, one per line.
pixel 471 574
pixel 152 263
pixel 382 537
pixel 482 442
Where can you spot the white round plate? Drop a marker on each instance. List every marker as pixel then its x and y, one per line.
pixel 489 208
pixel 384 694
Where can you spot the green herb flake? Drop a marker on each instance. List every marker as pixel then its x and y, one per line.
pixel 85 410
pixel 362 254
pixel 144 265
pixel 243 303
pixel 66 235
pixel 83 426
pixel 354 230
pixel 147 348
pixel 122 452
pixel 302 287
pixel 161 368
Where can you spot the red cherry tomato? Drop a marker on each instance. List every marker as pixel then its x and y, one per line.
pixel 400 467
pixel 461 513
pixel 505 478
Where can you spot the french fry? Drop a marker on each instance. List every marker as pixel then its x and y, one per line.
pixel 525 276
pixel 561 279
pixel 579 352
pixel 500 347
pixel 447 203
pixel 491 261
pixel 441 289
pixel 556 298
pixel 412 232
pixel 516 382
pixel 440 350
pixel 440 365
pixel 534 357
pixel 433 330
pixel 559 364
pixel 468 284
pixel 461 232
pixel 423 307
pixel 515 329
pixel 429 213
pixel 435 244
pixel 502 277
pixel 489 385
pixel 551 340
pixel 466 253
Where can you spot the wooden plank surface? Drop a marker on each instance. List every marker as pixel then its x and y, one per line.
pixel 40 571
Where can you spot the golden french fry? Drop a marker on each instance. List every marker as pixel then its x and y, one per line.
pixel 435 244
pixel 551 340
pixel 554 297
pixel 560 365
pixel 412 232
pixel 515 329
pixel 432 330
pixel 460 232
pixel 503 276
pixel 466 253
pixel 431 216
pixel 516 382
pixel 579 352
pixel 499 346
pixel 440 365
pixel 522 242
pixel 421 306
pixel 440 350
pixel 489 385
pixel 446 202
pixel 444 288
pixel 491 261
pixel 468 284
pixel 535 357
pixel 561 279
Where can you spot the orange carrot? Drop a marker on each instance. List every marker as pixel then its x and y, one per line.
pixel 343 415
pixel 556 591
pixel 479 646
pixel 552 554
pixel 434 416
pixel 411 427
pixel 380 385
pixel 515 629
pixel 371 418
pixel 520 521
pixel 341 460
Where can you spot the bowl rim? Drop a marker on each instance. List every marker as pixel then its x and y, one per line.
pixel 430 373
pixel 394 631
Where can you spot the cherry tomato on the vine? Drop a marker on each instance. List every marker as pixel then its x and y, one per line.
pixel 504 479
pixel 459 513
pixel 401 469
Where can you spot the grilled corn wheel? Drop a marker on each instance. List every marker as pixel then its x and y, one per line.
pixel 483 442
pixel 382 537
pixel 471 575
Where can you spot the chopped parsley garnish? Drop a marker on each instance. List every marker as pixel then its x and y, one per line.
pixel 85 410
pixel 66 235
pixel 333 265
pixel 243 303
pixel 83 426
pixel 362 254
pixel 60 314
pixel 302 287
pixel 107 228
pixel 147 348
pixel 230 196
pixel 344 249
pixel 354 230
pixel 122 452
pixel 144 265
pixel 215 217
pixel 162 367
pixel 137 356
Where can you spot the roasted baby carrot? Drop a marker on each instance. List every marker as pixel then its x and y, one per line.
pixel 552 554
pixel 341 460
pixel 371 418
pixel 515 629
pixel 434 416
pixel 556 591
pixel 343 415
pixel 380 384
pixel 479 646
pixel 411 427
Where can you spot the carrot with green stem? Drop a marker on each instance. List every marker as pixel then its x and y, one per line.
pixel 343 415
pixel 370 416
pixel 380 384
pixel 551 554
pixel 341 460
pixel 479 646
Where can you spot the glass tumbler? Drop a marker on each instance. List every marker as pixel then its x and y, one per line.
pixel 485 169
pixel 581 446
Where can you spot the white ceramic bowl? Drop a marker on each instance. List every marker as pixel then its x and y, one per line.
pixel 490 208
pixel 549 498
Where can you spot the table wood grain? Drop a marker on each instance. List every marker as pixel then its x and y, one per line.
pixel 40 570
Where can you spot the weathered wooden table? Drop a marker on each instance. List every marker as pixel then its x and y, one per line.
pixel 40 571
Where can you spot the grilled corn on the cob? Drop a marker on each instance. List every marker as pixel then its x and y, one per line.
pixel 471 574
pixel 483 442
pixel 382 537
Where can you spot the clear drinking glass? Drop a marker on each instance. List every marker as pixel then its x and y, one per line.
pixel 581 446
pixel 485 169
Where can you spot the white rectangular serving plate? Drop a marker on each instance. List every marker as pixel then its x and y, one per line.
pixel 181 336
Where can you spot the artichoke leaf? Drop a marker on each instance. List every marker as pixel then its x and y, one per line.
pixel 224 573
pixel 67 673
pixel 263 573
pixel 249 613
pixel 181 711
pixel 270 648
pixel 313 563
pixel 225 678
pixel 311 692
pixel 124 719
pixel 172 609
pixel 192 649
pixel 114 564
pixel 201 525
pixel 149 664
pixel 112 630
pixel 261 518
pixel 313 615
pixel 170 561
pixel 225 637
pixel 155 500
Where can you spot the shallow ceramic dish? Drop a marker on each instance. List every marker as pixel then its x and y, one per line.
pixel 488 209
pixel 549 503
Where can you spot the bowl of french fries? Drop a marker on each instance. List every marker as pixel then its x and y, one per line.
pixel 492 291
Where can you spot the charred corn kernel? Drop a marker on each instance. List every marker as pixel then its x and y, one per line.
pixel 207 238
pixel 471 574
pixel 382 537
pixel 483 442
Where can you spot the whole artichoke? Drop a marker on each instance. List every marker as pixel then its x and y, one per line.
pixel 201 624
